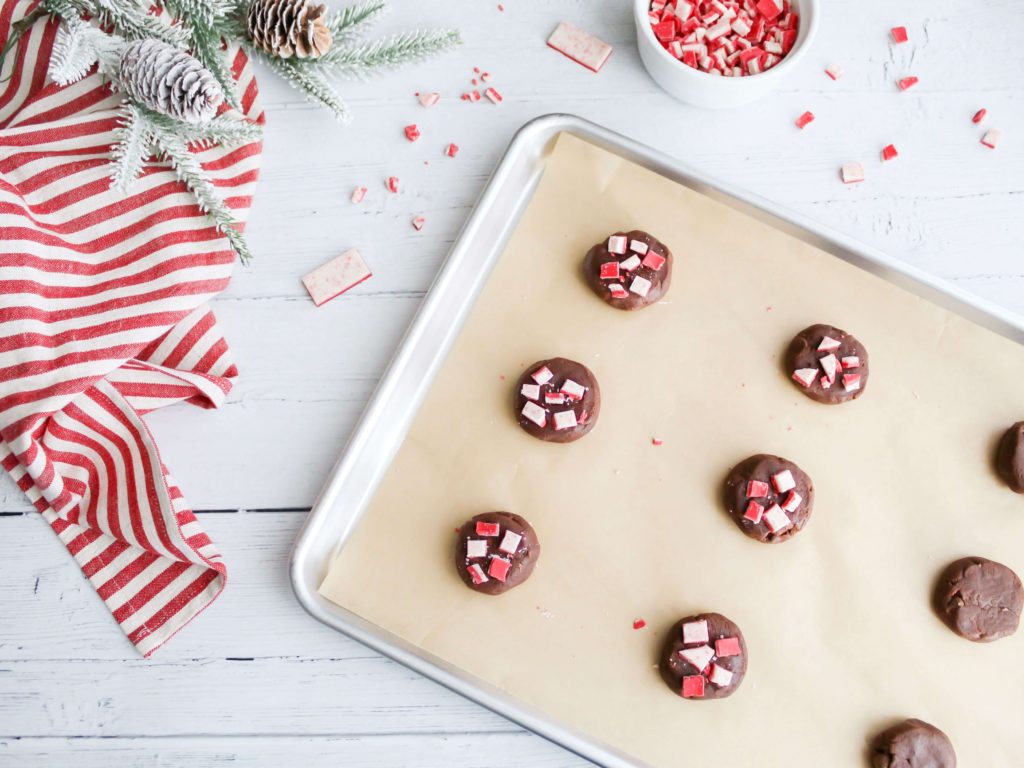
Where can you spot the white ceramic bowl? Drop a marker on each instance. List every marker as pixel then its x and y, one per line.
pixel 705 90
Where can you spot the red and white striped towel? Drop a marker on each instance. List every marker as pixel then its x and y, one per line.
pixel 103 317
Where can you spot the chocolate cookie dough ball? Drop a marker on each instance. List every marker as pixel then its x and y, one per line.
pixel 629 270
pixel 912 744
pixel 979 599
pixel 705 657
pixel 828 365
pixel 1010 457
pixel 495 552
pixel 770 498
pixel 557 400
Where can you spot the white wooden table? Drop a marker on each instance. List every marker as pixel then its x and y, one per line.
pixel 254 680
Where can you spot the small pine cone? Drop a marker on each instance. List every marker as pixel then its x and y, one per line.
pixel 169 81
pixel 286 28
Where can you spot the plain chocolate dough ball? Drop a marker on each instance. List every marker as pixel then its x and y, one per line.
pixel 1010 457
pixel 979 599
pixel 912 744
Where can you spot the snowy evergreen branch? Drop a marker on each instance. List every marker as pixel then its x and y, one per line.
pixel 362 60
pixel 350 21
pixel 134 145
pixel 310 80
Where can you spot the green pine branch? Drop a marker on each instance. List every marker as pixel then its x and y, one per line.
pixel 206 44
pixel 309 80
pixel 350 21
pixel 133 147
pixel 360 60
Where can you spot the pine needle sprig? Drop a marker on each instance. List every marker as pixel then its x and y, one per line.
pixel 310 80
pixel 354 19
pixel 225 130
pixel 361 60
pixel 133 147
pixel 190 171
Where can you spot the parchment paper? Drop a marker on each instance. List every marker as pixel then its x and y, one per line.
pixel 838 621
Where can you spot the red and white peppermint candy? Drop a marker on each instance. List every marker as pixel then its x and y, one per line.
pixel 428 99
pixel 392 184
pixel 899 34
pixel 695 632
pixel 776 519
pixel 476 573
pixel 852 173
pixel 805 376
pixel 641 286
pixel 554 398
pixel 699 657
pixel 451 150
pixel 851 382
pixel 727 646
pixel 720 676
pixel 358 195
pixel 829 364
pixel 628 265
pixel 499 568
pixel 754 512
pixel 783 481
pixel 510 543
pixel 609 270
pixel 805 119
pixel 536 414
pixel 487 529
pixel 828 344
pixel 693 687
pixel 835 71
pixel 757 489
pixel 573 390
pixel 992 138
pixel 653 261
pixel 476 548
pixel 565 420
pixel 494 96
pixel 618 291
pixel 851 362
pixel 530 391
pixel 638 246
pixel 542 375
pixel 792 501
pixel 617 244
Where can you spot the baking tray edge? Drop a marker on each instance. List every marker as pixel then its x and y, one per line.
pixel 391 409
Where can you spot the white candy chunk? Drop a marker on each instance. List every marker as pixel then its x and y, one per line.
pixel 851 362
pixel 721 28
pixel 852 173
pixel 792 502
pixel 580 46
pixel 851 382
pixel 828 344
pixel 565 419
pixel 695 632
pixel 805 376
pixel 776 519
pixel 720 676
pixel 699 657
pixel 617 244
pixel 477 574
pixel 542 375
pixel 536 414
pixel 531 391
pixel 476 548
pixel 991 138
pixel 638 246
pixel 573 390
pixel 630 264
pixel 336 276
pixel 510 543
pixel 829 364
pixel 783 481
pixel 835 71
pixel 641 286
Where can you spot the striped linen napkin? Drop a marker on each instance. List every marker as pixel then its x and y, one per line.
pixel 104 317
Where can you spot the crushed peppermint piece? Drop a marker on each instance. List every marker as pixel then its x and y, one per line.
pixel 693 687
pixel 699 657
pixel 757 489
pixel 641 286
pixel 850 362
pixel 783 481
pixel 835 71
pixel 852 173
pixel 418 222
pixel 829 364
pixel 573 390
pixel 695 632
pixel 979 116
pixel 565 420
pixel 618 291
pixel 499 568
pixel 889 152
pixel 580 46
pixel 653 261
pixel 905 83
pixel 639 624
pixel 610 270
pixel 338 275
pixel 392 184
pixel 428 99
pixel 628 265
pixel 776 519
pixel 412 132
pixel 536 414
pixel 792 501
pixel 638 246
pixel 451 150
pixel 358 195
pixel 530 391
pixel 542 375
pixel 828 344
pixel 851 382
pixel 720 676
pixel 510 543
pixel 805 376
pixel 805 119
pixel 477 574
pixel 899 34
pixel 487 529
pixel 656 441
pixel 476 548
pixel 991 138
pixel 494 96
pixel 617 244
pixel 753 512
pixel 554 398
pixel 727 646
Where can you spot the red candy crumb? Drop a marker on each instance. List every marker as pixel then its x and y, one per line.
pixel 905 83
pixel 805 119
pixel 451 150
pixel 494 96
pixel 899 34
pixel 358 194
pixel 428 99
pixel 487 529
pixel 639 624
pixel 727 646
pixel 835 71
pixel 653 261
pixel 392 184
pixel 693 687
pixel 889 152
pixel 412 132
pixel 499 568
pixel 757 489
pixel 754 512
pixel 610 270
pixel 656 441
pixel 979 116
pixel 418 222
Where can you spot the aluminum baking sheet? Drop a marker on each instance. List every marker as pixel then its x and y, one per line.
pixel 394 406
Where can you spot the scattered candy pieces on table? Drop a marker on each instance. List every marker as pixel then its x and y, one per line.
pixel 392 184
pixel 580 46
pixel 905 83
pixel 336 276
pixel 899 34
pixel 804 120
pixel 418 222
pixel 451 150
pixel 358 194
pixel 656 441
pixel 412 132
pixel 428 99
pixel 726 37
pixel 991 138
pixel 852 173
pixel 639 624
pixel 835 71
pixel 494 96
pixel 979 116
pixel 889 152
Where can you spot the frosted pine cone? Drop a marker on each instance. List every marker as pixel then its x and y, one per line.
pixel 169 81
pixel 286 28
